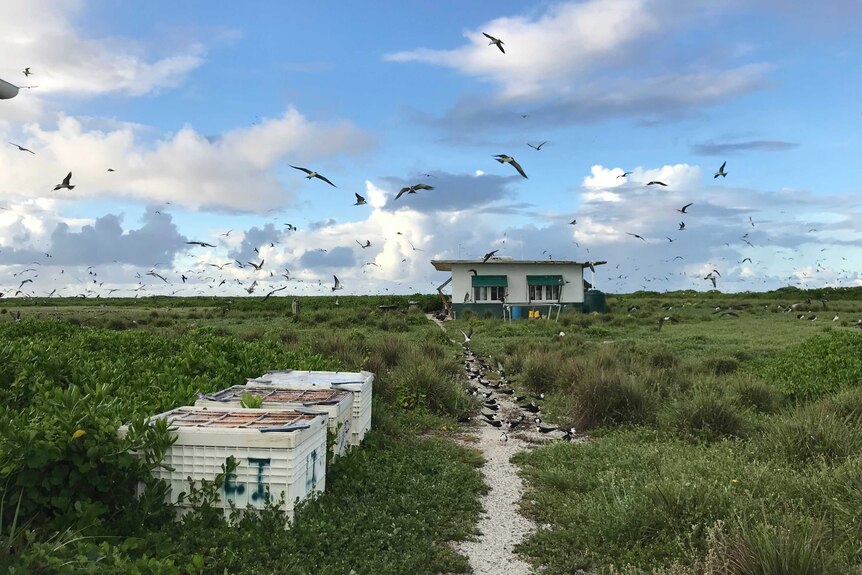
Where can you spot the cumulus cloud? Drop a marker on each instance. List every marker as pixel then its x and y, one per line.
pixel 582 62
pixel 235 172
pixel 43 35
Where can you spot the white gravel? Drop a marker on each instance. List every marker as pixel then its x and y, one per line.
pixel 501 525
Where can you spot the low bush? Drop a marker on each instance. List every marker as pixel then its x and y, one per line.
pixel 709 415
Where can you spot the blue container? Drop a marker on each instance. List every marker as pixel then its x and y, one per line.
pixel 516 312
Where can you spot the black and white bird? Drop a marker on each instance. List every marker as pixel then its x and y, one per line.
pixel 494 42
pixel 412 189
pixel 721 171
pixel 360 201
pixel 201 244
pixel 637 236
pixel 27 72
pixel 367 244
pixel 683 209
pixel 257 267
pixel 505 159
pixel 662 320
pixel 65 184
pixel 313 174
pixel 537 148
pixel 467 336
pixel 681 226
pixel 656 183
pixel 489 255
pixel 336 284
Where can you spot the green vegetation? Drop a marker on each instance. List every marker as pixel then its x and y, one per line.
pixel 718 445
pixel 68 481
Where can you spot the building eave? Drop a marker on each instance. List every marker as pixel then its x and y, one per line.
pixel 447 265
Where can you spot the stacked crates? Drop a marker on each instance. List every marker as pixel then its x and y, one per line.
pixel 337 404
pixel 358 383
pixel 280 454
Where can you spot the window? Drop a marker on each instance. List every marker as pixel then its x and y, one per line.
pixel 489 293
pixel 544 293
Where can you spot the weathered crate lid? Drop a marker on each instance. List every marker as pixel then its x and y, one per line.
pixel 280 395
pixel 352 381
pixel 257 419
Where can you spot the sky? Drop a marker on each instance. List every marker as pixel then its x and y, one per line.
pixel 182 121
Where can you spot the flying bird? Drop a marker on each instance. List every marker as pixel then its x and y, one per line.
pixel 257 267
pixel 250 288
pixel 504 159
pixel 65 184
pixel 27 72
pixel 22 149
pixel 635 235
pixel 537 148
pixel 494 42
pixel 337 284
pixel 360 201
pixel 681 226
pixel 656 182
pixel 721 171
pixel 488 256
pixel 415 249
pixel 367 244
pixel 273 291
pixel 313 174
pixel 624 175
pixel 683 209
pixel 573 222
pixel 201 244
pixel 467 335
pixel 412 189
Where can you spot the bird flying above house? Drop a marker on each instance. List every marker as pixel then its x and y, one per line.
pixel 494 42
pixel 313 174
pixel 504 159
pixel 489 255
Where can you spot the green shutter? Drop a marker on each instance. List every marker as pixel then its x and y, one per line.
pixel 490 281
pixel 544 280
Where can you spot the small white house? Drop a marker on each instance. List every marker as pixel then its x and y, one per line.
pixel 505 287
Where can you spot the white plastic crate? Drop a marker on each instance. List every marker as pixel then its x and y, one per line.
pixel 279 452
pixel 359 384
pixel 337 404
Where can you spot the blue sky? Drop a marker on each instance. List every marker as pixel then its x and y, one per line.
pixel 202 107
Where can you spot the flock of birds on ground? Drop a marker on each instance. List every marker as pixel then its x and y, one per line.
pixel 205 273
pixel 502 407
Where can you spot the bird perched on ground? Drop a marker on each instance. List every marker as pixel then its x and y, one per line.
pixel 541 428
pixel 661 321
pixel 683 209
pixel 367 244
pixel 360 201
pixel 494 42
pixel 721 171
pixel 65 184
pixel 489 255
pixel 22 148
pixel 336 284
pixel 313 174
pixel 504 159
pixel 412 189
pixel 201 244
pixel 537 148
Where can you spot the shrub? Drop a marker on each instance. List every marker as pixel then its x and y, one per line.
pixel 721 365
pixel 606 397
pixel 709 415
pixel 663 359
pixel 756 394
pixel 812 434
pixel 540 371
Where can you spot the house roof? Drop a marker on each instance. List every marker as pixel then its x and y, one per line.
pixel 446 265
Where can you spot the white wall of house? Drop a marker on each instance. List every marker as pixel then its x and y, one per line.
pixel 518 291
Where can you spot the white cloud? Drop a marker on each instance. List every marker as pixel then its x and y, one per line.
pixel 42 34
pixel 234 172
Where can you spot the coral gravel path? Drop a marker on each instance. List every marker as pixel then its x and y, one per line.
pixel 501 526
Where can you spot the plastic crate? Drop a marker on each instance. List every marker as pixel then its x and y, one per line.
pixel 358 383
pixel 337 404
pixel 280 453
